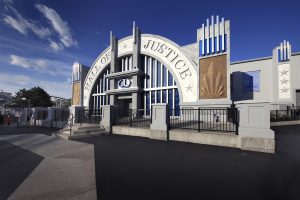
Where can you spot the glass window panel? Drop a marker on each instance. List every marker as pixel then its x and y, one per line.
pixel 164 76
pixel 170 100
pixel 158 96
pixel 170 79
pixel 153 74
pixel 176 102
pixel 147 106
pixel 153 97
pixel 158 77
pixel 164 96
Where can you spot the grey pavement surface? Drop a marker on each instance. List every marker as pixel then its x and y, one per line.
pixel 123 167
pixel 137 168
pixel 66 169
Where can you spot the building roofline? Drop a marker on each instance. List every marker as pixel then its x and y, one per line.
pixel 251 60
pixel 259 59
pixel 296 53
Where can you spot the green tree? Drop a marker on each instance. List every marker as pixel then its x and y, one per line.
pixel 34 97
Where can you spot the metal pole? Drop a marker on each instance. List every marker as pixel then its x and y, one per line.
pixel 198 119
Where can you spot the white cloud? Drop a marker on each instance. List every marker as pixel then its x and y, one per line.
pixel 23 25
pixel 58 24
pixel 45 66
pixel 16 24
pixel 58 27
pixel 14 82
pixel 8 1
pixel 37 64
pixel 55 46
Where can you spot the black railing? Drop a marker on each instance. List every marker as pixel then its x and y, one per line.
pixel 61 115
pixel 205 119
pixel 42 114
pixel 284 115
pixel 90 116
pixel 132 117
pixel 67 126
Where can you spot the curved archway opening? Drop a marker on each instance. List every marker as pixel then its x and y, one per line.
pixel 158 85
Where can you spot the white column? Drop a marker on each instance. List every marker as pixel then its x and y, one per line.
pixel 161 75
pixel 126 64
pixel 281 51
pixel 218 33
pixel 203 38
pixel 207 45
pixel 288 50
pixel 145 71
pixel 212 35
pixel 150 71
pixel 284 50
pixel 223 35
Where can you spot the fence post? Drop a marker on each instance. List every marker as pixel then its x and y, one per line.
pixel 236 118
pixel 130 117
pixel 159 124
pixel 198 119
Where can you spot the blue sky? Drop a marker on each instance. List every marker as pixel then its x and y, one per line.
pixel 40 39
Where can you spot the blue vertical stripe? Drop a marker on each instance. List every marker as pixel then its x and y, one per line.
pixel 210 46
pixel 220 43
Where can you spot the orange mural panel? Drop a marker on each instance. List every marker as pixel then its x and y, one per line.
pixel 213 77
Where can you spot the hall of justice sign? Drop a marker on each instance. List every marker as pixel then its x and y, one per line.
pixel 170 55
pixel 97 67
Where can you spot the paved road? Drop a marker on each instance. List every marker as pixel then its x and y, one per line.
pixel 39 166
pixel 137 168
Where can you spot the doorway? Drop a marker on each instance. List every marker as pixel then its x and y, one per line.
pixel 125 105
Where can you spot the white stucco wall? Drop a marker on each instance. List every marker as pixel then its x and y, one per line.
pixel 265 93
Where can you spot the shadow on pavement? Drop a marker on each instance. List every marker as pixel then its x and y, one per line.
pixel 138 168
pixel 26 130
pixel 15 165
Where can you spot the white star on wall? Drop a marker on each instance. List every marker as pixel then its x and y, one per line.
pixel 189 87
pixel 284 81
pixel 284 90
pixel 284 72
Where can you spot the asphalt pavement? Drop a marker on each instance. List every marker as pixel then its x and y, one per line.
pixel 138 168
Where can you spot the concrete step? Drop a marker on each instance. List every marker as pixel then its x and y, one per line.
pixel 85 126
pixel 66 134
pixel 63 135
pixel 86 131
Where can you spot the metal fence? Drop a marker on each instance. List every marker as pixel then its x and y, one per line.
pixel 132 117
pixel 61 115
pixel 42 114
pixel 205 119
pixel 90 116
pixel 284 115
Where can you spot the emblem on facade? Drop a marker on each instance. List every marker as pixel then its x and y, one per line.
pixel 124 83
pixel 213 85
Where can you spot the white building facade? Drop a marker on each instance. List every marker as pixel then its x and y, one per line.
pixel 143 69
